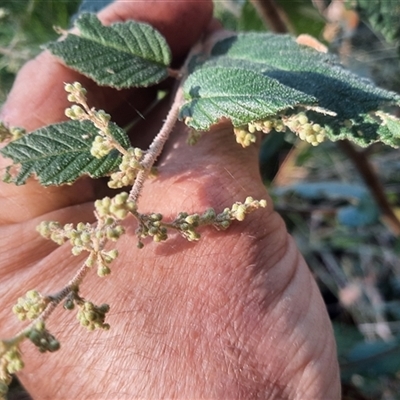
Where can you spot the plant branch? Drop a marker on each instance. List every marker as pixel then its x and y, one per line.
pixel 56 299
pixel 371 179
pixel 157 145
pixel 272 15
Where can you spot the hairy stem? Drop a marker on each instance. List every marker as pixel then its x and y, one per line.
pixel 156 146
pixel 56 299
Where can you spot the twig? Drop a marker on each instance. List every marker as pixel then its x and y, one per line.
pixel 156 146
pixel 159 141
pixel 272 15
pixel 371 179
pixel 57 298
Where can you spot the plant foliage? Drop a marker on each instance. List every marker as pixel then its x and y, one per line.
pixel 279 74
pixel 382 15
pixel 252 79
pixel 60 153
pixel 247 78
pixel 24 26
pixel 121 55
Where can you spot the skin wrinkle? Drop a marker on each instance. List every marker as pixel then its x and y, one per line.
pixel 239 245
pixel 248 334
pixel 310 365
pixel 34 246
pixel 241 344
pixel 183 314
pixel 306 361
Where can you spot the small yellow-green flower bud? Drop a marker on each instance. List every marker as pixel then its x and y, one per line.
pixel 53 345
pixel 208 215
pixel 302 118
pixel 68 87
pixel 225 224
pixel 103 117
pixel 193 236
pixel 81 226
pixel 76 250
pixel 40 326
pixel 72 98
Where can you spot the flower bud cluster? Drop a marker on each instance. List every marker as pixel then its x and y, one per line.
pixel 103 143
pixel 42 338
pixel 151 225
pixel 10 363
pixel 246 134
pixel 30 306
pixel 299 123
pixel 238 212
pixel 93 238
pixel 188 223
pixel 128 169
pixel 76 113
pixel 267 125
pixel 310 132
pixel 244 137
pixel 101 146
pixel 52 230
pixel 77 93
pixel 117 207
pixel 79 237
pixel 11 133
pixel 92 317
pixel 102 259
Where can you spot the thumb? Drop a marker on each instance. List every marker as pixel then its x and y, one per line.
pixel 43 77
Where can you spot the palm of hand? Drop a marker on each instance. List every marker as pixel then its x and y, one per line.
pixel 235 315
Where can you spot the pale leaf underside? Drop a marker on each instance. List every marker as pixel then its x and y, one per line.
pixel 264 74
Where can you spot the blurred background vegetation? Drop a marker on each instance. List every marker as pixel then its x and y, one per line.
pixel 325 194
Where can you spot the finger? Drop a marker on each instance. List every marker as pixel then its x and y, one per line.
pixel 41 80
pixel 43 77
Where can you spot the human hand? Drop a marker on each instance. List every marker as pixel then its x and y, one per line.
pixel 236 315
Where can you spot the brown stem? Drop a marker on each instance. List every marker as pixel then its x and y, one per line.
pixel 271 14
pixel 371 179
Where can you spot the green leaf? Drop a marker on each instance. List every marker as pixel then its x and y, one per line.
pixel 60 153
pixel 271 73
pixel 24 25
pixel 238 16
pixel 121 55
pixel 239 94
pixel 382 15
